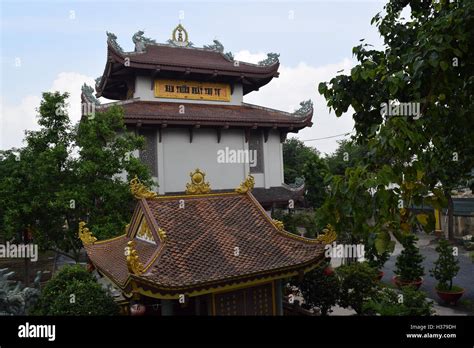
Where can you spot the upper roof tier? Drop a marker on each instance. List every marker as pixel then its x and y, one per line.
pixel 179 59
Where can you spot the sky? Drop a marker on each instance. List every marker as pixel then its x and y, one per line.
pixel 59 45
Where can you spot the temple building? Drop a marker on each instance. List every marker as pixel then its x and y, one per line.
pixel 188 104
pixel 202 253
pixel 190 249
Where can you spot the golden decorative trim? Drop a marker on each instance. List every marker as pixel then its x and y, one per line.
pixel 133 263
pixel 247 185
pixel 279 224
pixel 198 185
pixel 85 235
pixel 139 190
pixel 144 232
pixel 161 233
pixel 328 236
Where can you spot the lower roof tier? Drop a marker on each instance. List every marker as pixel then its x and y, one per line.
pixel 137 112
pixel 203 241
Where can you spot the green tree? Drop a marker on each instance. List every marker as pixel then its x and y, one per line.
pixel 320 288
pixel 358 284
pixel 408 266
pixel 417 158
pixel 295 155
pixel 347 155
pixel 446 267
pixel 74 291
pixel 68 174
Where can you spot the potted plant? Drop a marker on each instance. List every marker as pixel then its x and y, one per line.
pixel 408 268
pixel 445 269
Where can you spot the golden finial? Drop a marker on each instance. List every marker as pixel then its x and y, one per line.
pixel 246 185
pixel 85 235
pixel 328 236
pixel 133 263
pixel 162 234
pixel 279 225
pixel 141 191
pixel 197 185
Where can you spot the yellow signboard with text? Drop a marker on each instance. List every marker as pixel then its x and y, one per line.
pixel 179 89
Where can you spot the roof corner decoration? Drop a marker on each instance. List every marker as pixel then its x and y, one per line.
pixel 133 263
pixel 279 225
pixel 88 95
pixel 247 185
pixel 140 191
pixel 328 236
pixel 180 37
pixel 271 59
pixel 112 40
pixel 85 235
pixel 306 107
pixel 141 41
pixel 197 185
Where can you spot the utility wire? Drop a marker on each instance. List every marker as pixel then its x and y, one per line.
pixel 329 137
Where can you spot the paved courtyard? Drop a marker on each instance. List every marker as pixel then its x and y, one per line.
pixel 465 277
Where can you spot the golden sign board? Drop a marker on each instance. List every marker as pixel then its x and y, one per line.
pixel 179 89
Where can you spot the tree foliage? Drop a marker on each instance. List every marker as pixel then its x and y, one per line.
pixel 74 291
pixel 66 174
pixel 415 158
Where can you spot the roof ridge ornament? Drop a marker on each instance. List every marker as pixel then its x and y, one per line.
pixel 141 41
pixel 112 40
pixel 328 236
pixel 279 225
pixel 133 262
pixel 198 185
pixel 247 185
pixel 271 59
pixel 139 190
pixel 85 234
pixel 177 38
pixel 306 106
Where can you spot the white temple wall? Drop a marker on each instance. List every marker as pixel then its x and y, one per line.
pixel 177 157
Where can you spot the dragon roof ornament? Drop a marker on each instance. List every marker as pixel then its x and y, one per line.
pixel 112 40
pixel 141 41
pixel 306 107
pixel 247 185
pixel 139 190
pixel 271 59
pixel 88 93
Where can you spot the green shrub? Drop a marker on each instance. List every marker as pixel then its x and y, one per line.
pixel 358 284
pixel 89 297
pixel 409 263
pixel 407 302
pixel 446 267
pixel 320 289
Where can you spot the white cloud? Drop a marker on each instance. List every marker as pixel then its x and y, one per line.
pixel 299 83
pixel 15 119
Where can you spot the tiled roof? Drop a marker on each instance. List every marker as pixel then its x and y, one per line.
pixel 201 241
pixel 190 57
pixel 148 112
